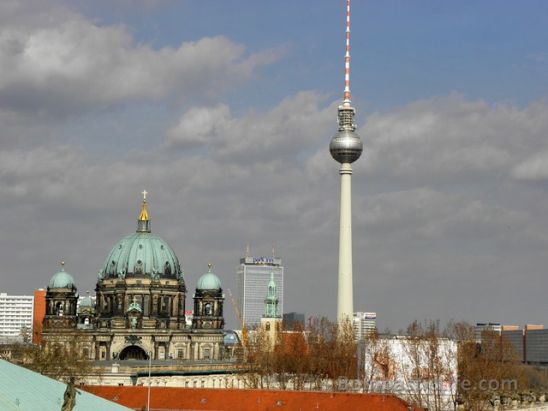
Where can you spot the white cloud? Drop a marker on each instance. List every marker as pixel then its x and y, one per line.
pixel 73 62
pixel 288 132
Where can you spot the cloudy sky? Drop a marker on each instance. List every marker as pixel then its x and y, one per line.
pixel 223 111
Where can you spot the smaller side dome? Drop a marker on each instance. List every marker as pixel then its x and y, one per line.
pixel 61 279
pixel 209 281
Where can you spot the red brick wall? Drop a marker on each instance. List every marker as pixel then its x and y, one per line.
pixel 38 315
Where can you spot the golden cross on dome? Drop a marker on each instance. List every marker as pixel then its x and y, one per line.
pixel 143 216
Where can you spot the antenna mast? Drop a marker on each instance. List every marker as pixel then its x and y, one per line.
pixel 346 97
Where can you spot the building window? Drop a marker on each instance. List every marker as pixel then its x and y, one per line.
pixel 207 353
pixel 208 310
pixel 180 353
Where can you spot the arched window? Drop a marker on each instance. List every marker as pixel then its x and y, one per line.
pixel 267 327
pixel 208 310
pixel 59 309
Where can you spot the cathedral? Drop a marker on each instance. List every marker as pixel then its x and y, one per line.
pixel 139 309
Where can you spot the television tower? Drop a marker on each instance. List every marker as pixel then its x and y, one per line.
pixel 346 147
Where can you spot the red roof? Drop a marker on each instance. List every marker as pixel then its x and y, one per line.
pixel 168 398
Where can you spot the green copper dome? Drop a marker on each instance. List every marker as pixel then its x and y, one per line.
pixel 209 281
pixel 141 254
pixel 62 279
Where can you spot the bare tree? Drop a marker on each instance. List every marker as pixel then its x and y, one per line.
pixel 63 359
pixel 301 357
pixel 378 364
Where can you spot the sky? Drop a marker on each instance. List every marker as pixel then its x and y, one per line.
pixel 223 112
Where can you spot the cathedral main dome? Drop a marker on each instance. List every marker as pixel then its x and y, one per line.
pixel 141 254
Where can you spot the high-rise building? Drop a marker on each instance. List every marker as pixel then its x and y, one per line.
pixel 513 334
pixel 364 324
pixel 346 147
pixel 16 316
pixel 253 278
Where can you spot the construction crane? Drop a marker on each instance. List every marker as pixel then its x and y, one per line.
pixel 236 308
pixel 238 312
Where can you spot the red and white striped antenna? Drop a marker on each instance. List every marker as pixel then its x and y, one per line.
pixel 346 97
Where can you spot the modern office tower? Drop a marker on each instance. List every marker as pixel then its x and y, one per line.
pixel 364 324
pixel 291 318
pixel 513 334
pixel 536 344
pixel 253 278
pixel 15 316
pixel 346 147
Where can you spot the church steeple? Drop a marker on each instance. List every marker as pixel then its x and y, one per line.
pixel 271 300
pixel 143 223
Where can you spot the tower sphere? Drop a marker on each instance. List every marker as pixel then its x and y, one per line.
pixel 346 146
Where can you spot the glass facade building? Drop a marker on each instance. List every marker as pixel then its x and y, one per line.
pixel 536 346
pixel 253 278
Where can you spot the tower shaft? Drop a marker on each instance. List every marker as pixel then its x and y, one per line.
pixel 345 300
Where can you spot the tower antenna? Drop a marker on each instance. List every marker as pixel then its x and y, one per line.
pixel 346 96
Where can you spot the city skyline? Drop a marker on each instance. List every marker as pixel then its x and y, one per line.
pixel 226 123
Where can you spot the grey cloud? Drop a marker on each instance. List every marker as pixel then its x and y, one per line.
pixel 534 168
pixel 448 137
pixel 426 213
pixel 435 236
